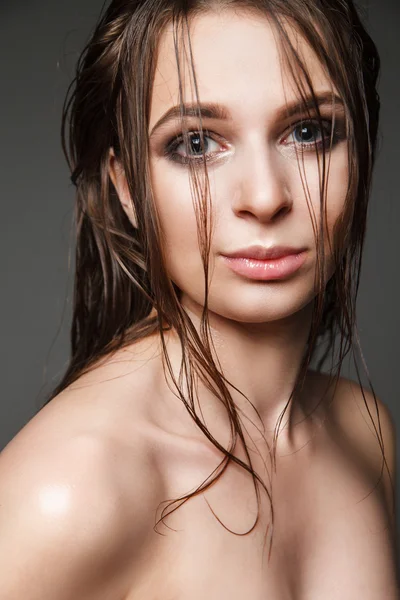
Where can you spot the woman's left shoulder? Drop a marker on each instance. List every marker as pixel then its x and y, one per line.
pixel 366 419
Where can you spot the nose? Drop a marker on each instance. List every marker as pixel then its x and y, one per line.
pixel 261 187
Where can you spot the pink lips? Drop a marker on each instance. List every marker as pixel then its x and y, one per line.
pixel 266 264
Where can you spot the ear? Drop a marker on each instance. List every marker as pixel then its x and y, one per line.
pixel 118 178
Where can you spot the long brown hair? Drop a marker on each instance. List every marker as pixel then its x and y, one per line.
pixel 123 292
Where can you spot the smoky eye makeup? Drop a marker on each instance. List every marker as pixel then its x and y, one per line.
pixel 305 135
pixel 310 134
pixel 191 143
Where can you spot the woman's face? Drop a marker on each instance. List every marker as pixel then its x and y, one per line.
pixel 257 193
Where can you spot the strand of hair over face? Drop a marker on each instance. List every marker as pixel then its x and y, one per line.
pixel 122 290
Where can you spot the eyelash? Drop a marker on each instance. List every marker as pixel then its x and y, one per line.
pixel 174 143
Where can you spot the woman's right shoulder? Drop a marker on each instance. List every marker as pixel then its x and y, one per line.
pixel 65 501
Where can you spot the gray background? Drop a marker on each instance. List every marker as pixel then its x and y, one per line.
pixel 39 44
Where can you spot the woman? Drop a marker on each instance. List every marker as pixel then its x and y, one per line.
pixel 222 154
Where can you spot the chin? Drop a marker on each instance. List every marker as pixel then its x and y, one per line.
pixel 265 305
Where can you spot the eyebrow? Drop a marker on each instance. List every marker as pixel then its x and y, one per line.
pixel 211 110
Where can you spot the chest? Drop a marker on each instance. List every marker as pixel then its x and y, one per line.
pixel 331 537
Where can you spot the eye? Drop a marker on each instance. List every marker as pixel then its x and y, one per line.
pixel 310 133
pixel 306 135
pixel 189 148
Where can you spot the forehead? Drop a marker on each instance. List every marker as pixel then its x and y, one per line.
pixel 237 62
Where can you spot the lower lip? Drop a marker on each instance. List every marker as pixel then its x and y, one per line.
pixel 267 270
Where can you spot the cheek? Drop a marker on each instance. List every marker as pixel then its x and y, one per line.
pixel 174 205
pixel 336 190
pixel 336 194
pixel 172 197
pixel 306 197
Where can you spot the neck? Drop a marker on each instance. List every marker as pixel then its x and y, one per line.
pixel 262 360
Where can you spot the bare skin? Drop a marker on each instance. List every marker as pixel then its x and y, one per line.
pixel 259 328
pixel 81 484
pixel 328 543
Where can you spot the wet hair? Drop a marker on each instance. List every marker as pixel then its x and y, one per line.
pixel 123 292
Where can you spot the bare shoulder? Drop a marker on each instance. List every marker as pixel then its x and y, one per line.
pixel 64 504
pixel 364 421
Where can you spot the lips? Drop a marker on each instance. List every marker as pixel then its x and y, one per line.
pixel 261 253
pixel 278 268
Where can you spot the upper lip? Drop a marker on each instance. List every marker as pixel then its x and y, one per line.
pixel 263 253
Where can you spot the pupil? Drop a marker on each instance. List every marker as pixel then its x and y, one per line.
pixel 195 143
pixel 307 129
